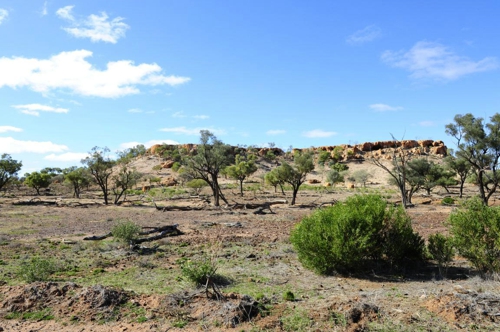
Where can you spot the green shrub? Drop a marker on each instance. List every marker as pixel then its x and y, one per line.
pixel 447 201
pixel 126 231
pixel 176 166
pixel 476 234
pixel 198 270
pixel 341 237
pixel 441 249
pixel 289 296
pixel 36 269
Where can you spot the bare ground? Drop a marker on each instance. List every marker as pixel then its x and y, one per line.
pixel 134 292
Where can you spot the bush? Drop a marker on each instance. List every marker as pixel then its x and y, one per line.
pixel 176 166
pixel 476 234
pixel 198 270
pixel 36 269
pixel 447 201
pixel 126 231
pixel 364 227
pixel 441 249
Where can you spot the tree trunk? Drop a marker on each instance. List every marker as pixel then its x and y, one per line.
pixel 461 187
pixel 241 187
pixel 294 195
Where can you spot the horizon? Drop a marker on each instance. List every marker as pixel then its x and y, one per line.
pixel 79 74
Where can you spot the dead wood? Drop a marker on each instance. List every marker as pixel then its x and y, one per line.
pixel 35 201
pixel 164 232
pixel 97 237
pixel 216 293
pixel 167 231
pixel 170 228
pixel 177 208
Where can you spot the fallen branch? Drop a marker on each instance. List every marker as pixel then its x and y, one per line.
pixel 164 232
pixel 97 238
pixel 177 208
pixel 168 230
pixel 35 201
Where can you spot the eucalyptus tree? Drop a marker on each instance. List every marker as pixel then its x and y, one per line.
pixel 211 157
pixel 479 144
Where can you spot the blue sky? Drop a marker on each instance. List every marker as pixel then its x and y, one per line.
pixel 79 74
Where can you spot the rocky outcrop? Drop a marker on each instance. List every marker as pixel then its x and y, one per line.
pixel 379 149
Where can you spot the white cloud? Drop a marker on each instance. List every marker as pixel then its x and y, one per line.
pixel 182 115
pixel 71 71
pixel 44 9
pixel 135 110
pixel 179 115
pixel 276 132
pixel 95 27
pixel 68 156
pixel 3 14
pixel 436 61
pixel 4 129
pixel 193 131
pixel 65 13
pixel 365 35
pixel 11 145
pixel 318 133
pixel 385 107
pixel 427 123
pixel 147 144
pixel 35 109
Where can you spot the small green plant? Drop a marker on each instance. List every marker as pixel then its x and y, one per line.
pixel 125 230
pixel 198 270
pixel 447 201
pixel 476 232
pixel 441 249
pixel 289 296
pixel 36 269
pixel 197 185
pixel 296 321
pixel 45 314
pixel 181 323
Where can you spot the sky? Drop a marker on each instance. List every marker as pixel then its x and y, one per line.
pixel 77 74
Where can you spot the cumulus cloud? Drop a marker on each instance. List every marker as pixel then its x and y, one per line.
pixel 318 133
pixel 192 131
pixel 35 109
pixel 275 132
pixel 147 144
pixel 201 117
pixel 11 145
pixel 385 108
pixel 436 61
pixel 71 71
pixel 4 129
pixel 95 27
pixel 68 156
pixel 3 15
pixel 365 35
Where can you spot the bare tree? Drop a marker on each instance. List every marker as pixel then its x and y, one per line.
pixel 398 172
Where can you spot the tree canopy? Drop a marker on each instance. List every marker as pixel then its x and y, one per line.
pixel 100 166
pixel 212 155
pixel 479 144
pixel 8 169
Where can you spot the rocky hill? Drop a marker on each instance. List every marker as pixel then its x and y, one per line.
pixel 380 149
